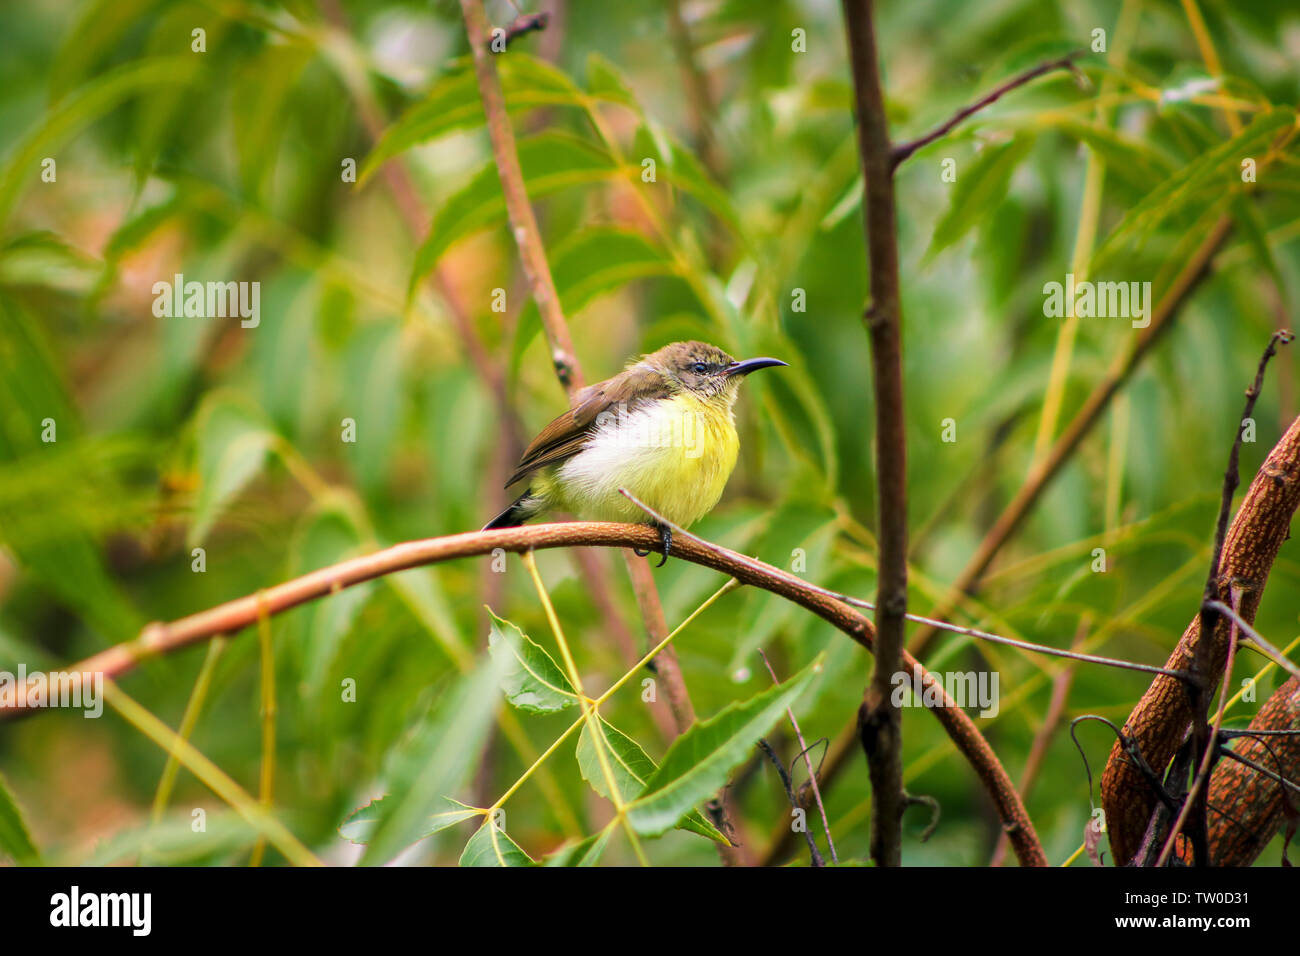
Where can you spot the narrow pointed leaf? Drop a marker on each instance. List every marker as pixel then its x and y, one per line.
pixel 630 767
pixel 435 762
pixel 978 190
pixel 15 840
pixel 699 760
pixel 491 847
pixel 531 679
pixel 360 823
pixel 583 853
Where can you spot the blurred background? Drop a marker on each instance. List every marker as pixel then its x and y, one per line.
pixel 336 154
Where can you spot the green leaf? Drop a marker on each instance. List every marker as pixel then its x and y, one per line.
pixel 1131 159
pixel 1252 226
pixel 550 162
pixel 232 442
pixel 699 760
pixel 582 853
pixel 978 190
pixel 531 679
pixel 677 166
pixel 90 102
pixel 606 82
pixel 15 841
pixel 454 104
pixel 360 823
pixel 631 767
pixel 435 762
pixel 326 537
pixel 1210 174
pixel 599 260
pixel 173 842
pixel 491 847
pixel 51 539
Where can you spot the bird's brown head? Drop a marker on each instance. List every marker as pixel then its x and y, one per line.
pixel 703 368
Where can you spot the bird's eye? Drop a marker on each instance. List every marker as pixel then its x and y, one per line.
pixel 699 368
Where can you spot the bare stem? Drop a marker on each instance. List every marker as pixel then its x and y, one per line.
pixel 879 721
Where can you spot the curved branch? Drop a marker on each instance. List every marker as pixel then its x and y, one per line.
pixel 158 638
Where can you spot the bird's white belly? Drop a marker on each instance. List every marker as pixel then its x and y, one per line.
pixel 676 456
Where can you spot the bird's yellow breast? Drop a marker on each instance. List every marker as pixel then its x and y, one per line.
pixel 674 454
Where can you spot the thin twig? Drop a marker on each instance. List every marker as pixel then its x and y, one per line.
pixel 1195 814
pixel 794 801
pixel 803 752
pixel 1043 739
pixel 902 151
pixel 680 532
pixel 524 23
pixel 1200 781
pixel 523 222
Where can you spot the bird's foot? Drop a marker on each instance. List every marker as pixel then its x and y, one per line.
pixel 665 538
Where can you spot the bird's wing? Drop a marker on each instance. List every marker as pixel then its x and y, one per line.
pixel 566 435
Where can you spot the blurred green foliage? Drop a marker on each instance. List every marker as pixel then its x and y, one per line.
pixel 182 433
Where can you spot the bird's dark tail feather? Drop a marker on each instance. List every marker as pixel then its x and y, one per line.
pixel 515 515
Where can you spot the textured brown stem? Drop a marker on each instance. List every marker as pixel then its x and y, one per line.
pixel 1161 719
pixel 1246 806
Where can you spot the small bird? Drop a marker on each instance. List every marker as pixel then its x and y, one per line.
pixel 663 429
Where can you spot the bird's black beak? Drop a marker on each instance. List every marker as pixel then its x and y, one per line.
pixel 750 365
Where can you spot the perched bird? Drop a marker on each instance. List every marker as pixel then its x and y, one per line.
pixel 663 429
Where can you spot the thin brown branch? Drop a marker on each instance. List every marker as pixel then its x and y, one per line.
pixel 523 222
pixel 879 721
pixel 158 639
pixel 904 150
pixel 679 531
pixel 524 23
pixel 1043 738
pixel 814 853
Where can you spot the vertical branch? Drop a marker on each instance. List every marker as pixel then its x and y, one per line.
pixel 879 723
pixel 532 254
pixel 522 220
